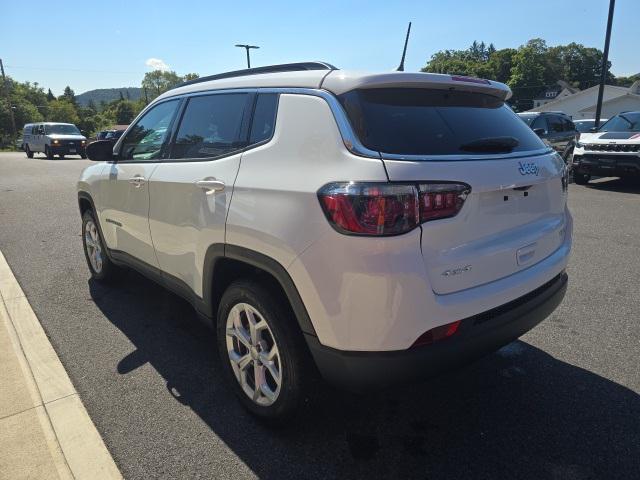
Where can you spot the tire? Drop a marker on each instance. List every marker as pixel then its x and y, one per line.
pixel 581 178
pixel 61 156
pixel 48 153
pixel 28 151
pixel 101 267
pixel 279 337
pixel 83 156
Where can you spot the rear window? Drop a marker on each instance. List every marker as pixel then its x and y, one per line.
pixel 413 121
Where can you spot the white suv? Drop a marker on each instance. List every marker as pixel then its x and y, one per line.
pixel 376 227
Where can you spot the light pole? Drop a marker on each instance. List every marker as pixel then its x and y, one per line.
pixel 605 60
pixel 247 47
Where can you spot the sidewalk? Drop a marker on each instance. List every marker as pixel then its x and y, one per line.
pixel 45 431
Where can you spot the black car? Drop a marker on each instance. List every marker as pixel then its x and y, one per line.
pixel 554 128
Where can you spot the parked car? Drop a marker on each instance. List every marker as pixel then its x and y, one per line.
pixel 555 128
pixel 379 228
pixel 585 125
pixel 114 135
pixel 53 139
pixel 102 134
pixel 612 151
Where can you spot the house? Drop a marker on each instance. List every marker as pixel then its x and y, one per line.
pixel 560 90
pixel 582 104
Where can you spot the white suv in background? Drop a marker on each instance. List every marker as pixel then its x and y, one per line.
pixel 378 227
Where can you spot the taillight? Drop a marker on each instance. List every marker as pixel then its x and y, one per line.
pixel 379 209
pixel 441 200
pixel 437 334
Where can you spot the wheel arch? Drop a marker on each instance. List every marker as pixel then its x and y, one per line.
pixel 225 263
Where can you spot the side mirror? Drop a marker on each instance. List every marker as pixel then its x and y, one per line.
pixel 593 129
pixel 539 131
pixel 100 151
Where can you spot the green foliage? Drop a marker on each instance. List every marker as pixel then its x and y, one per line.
pixel 158 82
pixel 62 110
pixel 108 95
pixel 528 70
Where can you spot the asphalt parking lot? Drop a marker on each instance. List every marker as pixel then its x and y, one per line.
pixel 561 403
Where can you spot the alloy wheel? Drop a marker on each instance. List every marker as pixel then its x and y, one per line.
pixel 254 354
pixel 93 246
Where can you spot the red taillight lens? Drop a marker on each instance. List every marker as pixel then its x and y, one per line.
pixel 441 200
pixel 370 208
pixel 437 334
pixel 380 209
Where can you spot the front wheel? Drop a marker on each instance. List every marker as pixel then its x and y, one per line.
pixel 61 156
pixel 100 266
pixel 581 178
pixel 48 153
pixel 83 156
pixel 261 350
pixel 28 151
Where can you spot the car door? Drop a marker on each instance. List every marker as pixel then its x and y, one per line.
pixel 39 143
pixel 557 133
pixel 124 190
pixel 540 123
pixel 191 190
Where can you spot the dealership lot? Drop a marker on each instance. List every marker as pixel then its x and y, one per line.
pixel 561 403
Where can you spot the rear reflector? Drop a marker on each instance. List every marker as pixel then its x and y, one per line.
pixel 437 334
pixel 382 209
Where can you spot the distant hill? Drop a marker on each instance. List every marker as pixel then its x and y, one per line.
pixel 108 95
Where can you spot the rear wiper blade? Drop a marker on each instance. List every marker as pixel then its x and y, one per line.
pixel 491 144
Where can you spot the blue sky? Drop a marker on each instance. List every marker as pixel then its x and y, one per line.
pixel 102 44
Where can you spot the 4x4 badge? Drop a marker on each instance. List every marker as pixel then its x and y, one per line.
pixel 528 169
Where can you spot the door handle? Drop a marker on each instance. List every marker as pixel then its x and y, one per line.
pixel 137 181
pixel 211 185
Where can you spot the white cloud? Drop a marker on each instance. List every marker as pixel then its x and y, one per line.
pixel 156 64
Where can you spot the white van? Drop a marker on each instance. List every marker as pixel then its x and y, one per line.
pixel 53 139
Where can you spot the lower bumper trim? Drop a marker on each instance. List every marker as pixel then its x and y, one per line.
pixel 477 336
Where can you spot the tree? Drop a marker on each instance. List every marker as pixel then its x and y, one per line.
pixel 190 76
pixel 124 112
pixel 159 81
pixel 528 73
pixel 68 95
pixel 50 95
pixel 121 96
pixel 62 111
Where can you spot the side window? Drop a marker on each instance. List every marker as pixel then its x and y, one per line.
pixel 568 125
pixel 211 126
pixel 146 138
pixel 41 130
pixel 555 124
pixel 540 122
pixel 264 118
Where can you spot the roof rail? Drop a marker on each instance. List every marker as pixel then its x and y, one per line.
pixel 285 67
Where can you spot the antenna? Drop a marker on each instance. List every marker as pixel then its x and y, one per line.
pixel 404 50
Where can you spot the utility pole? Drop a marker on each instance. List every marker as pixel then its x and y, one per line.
pixel 247 47
pixel 605 61
pixel 5 89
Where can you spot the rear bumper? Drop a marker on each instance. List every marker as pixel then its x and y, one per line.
pixel 607 164
pixel 476 337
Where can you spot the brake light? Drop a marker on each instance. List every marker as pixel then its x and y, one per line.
pixel 437 334
pixel 382 209
pixel 461 78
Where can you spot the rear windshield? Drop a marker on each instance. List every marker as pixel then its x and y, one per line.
pixel 417 121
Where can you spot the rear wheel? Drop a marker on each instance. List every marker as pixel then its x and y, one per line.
pixel 83 156
pixel 28 151
pixel 261 350
pixel 100 265
pixel 48 152
pixel 61 156
pixel 581 178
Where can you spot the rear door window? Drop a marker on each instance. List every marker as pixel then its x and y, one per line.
pixel 413 121
pixel 264 118
pixel 555 124
pixel 212 126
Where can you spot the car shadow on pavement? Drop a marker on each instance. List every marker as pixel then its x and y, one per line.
pixel 519 413
pixel 620 185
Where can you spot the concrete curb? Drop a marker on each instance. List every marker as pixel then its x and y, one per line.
pixel 75 446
